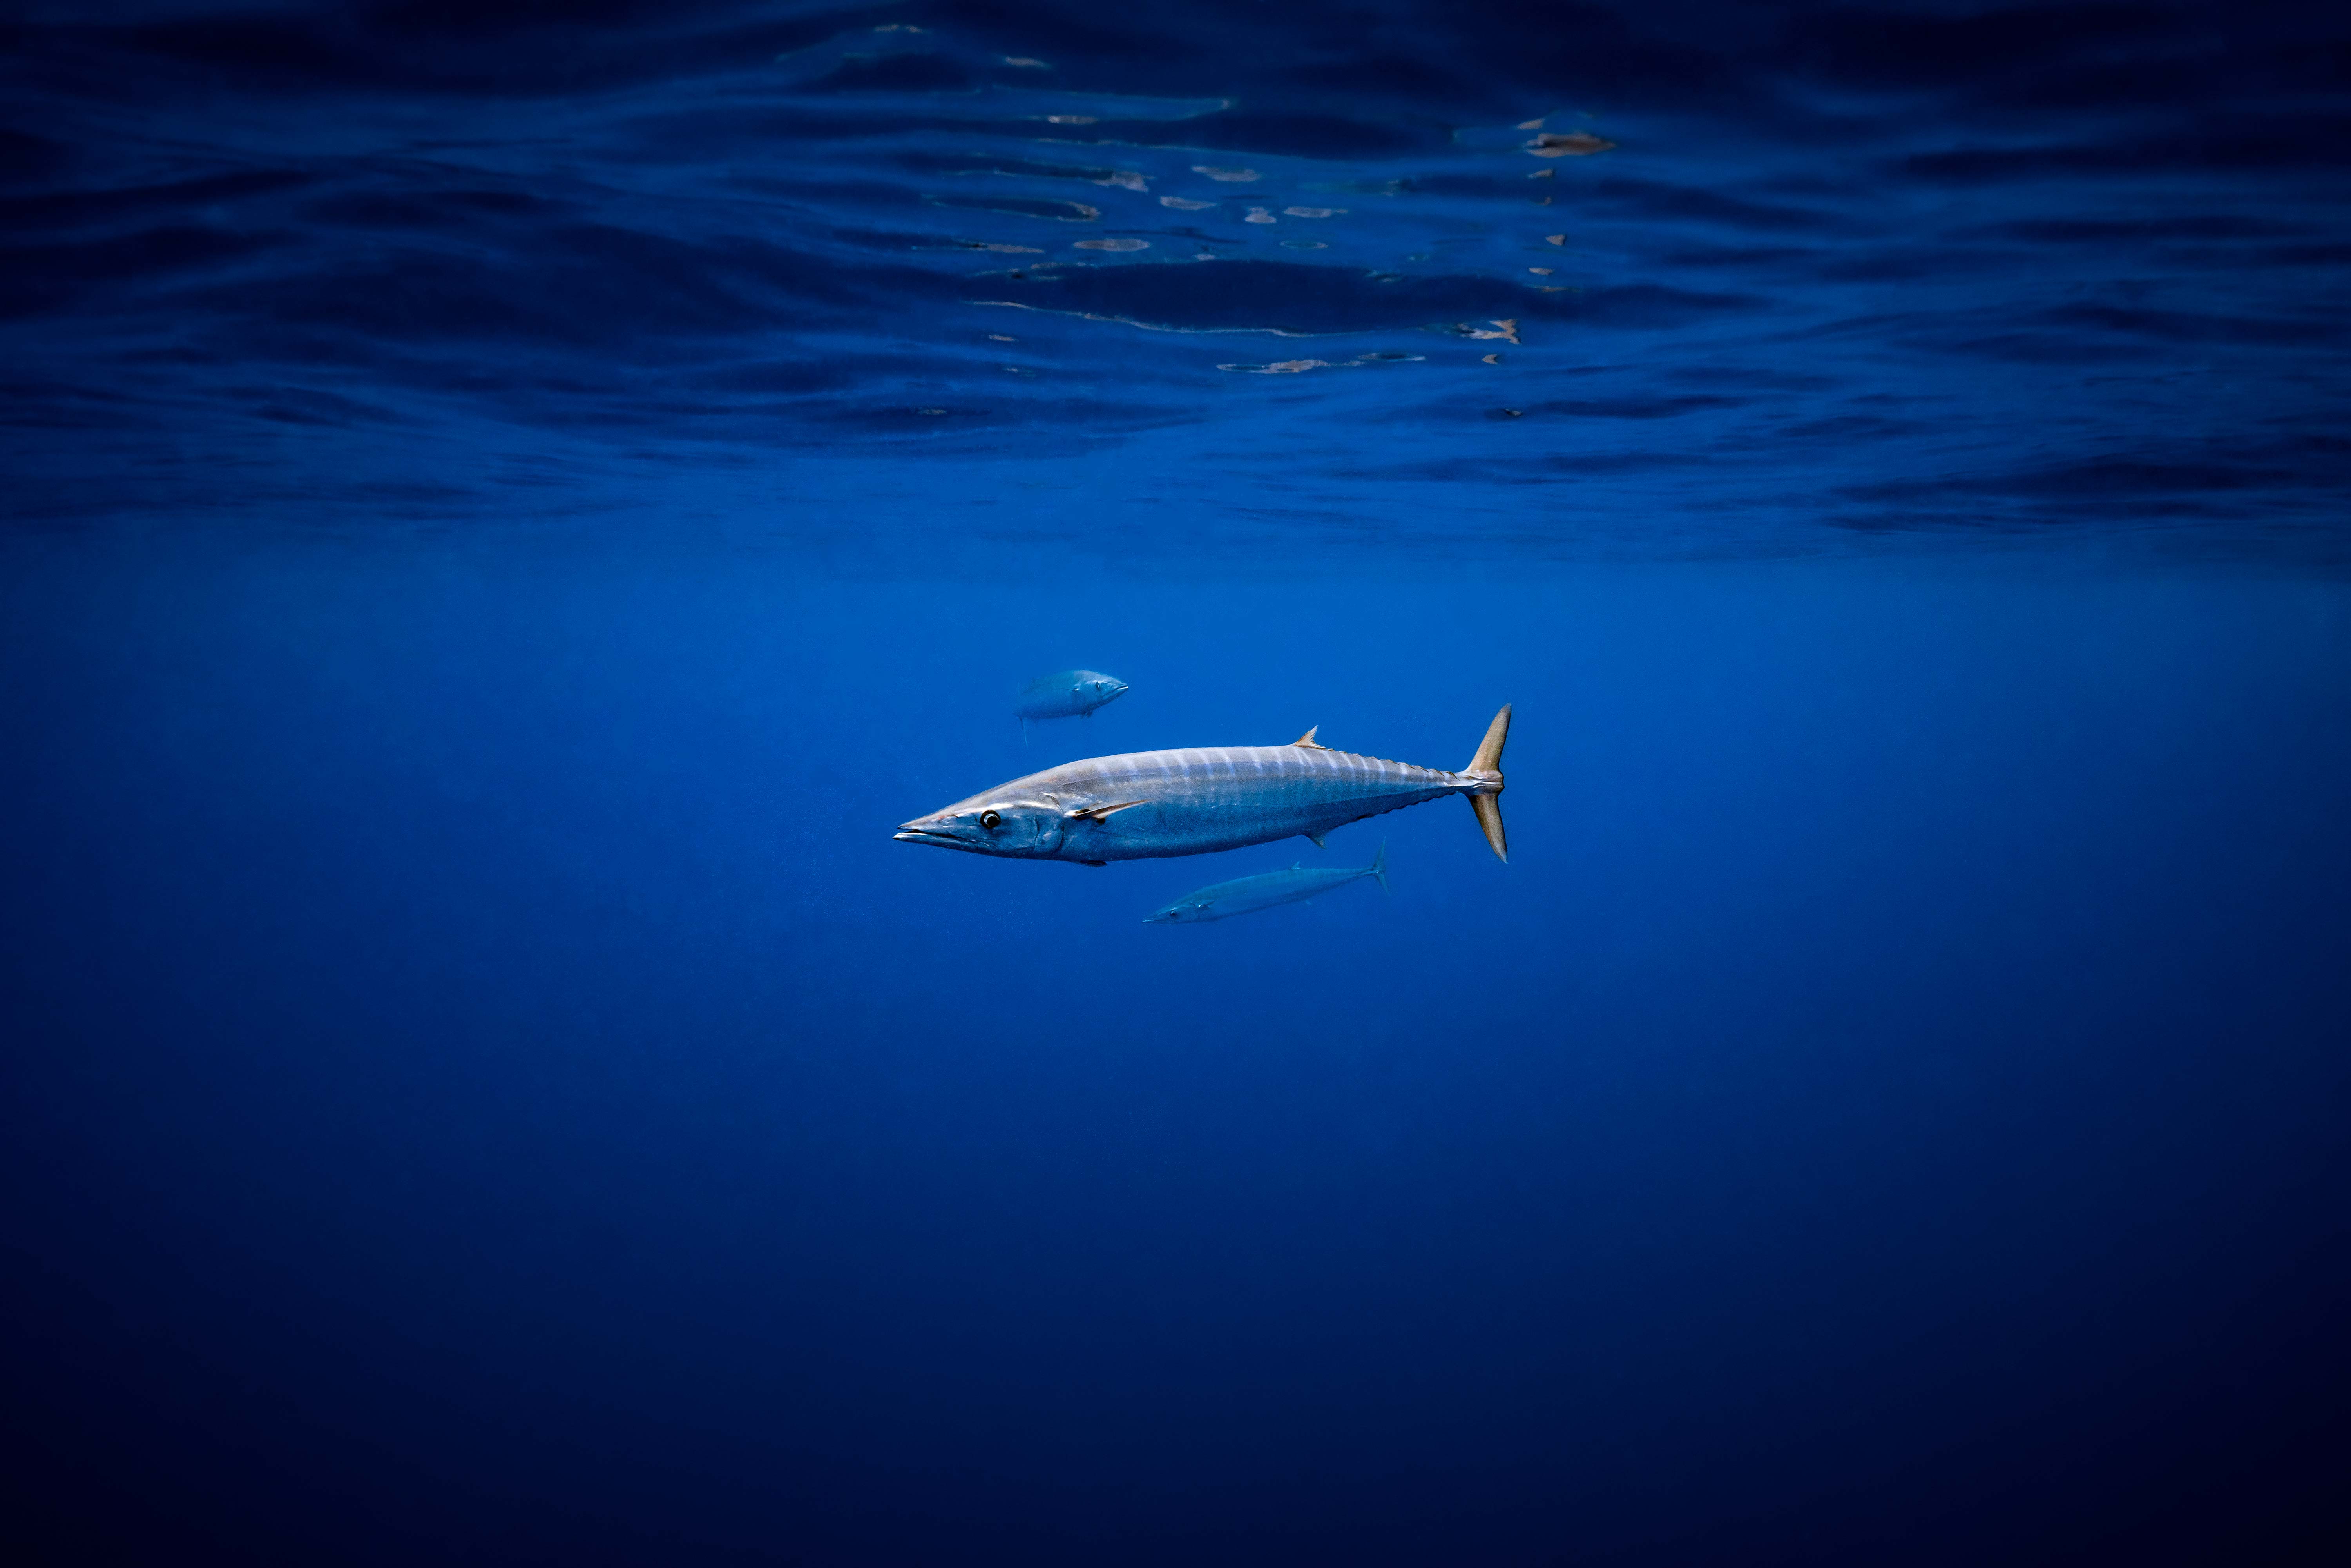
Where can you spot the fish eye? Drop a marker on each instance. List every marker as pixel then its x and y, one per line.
pixel 991 820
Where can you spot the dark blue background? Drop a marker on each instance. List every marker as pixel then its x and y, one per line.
pixel 507 508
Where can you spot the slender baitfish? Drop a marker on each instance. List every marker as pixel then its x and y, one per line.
pixel 1248 894
pixel 1149 804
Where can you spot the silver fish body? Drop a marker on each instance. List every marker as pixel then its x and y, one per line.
pixel 1147 805
pixel 1248 894
pixel 1071 693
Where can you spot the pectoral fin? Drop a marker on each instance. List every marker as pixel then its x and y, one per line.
pixel 1096 813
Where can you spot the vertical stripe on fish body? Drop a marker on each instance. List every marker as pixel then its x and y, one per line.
pixel 1204 798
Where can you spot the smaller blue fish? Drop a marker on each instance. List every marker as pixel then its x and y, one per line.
pixel 1072 693
pixel 1248 894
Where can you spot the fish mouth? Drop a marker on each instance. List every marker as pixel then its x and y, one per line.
pixel 914 834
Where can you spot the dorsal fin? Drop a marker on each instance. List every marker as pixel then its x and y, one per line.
pixel 1309 741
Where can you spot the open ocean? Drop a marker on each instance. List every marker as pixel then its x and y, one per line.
pixel 505 508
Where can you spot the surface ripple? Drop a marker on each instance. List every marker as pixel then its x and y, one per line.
pixel 1746 281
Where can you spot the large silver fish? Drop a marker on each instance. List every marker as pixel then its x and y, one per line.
pixel 1149 804
pixel 1248 894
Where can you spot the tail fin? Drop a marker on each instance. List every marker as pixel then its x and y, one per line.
pixel 1485 768
pixel 1379 866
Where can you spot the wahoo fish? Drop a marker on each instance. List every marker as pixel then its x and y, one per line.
pixel 1248 894
pixel 1072 693
pixel 1147 805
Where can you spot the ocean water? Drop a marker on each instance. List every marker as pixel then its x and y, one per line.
pixel 504 508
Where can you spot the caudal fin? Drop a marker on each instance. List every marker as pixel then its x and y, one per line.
pixel 1379 866
pixel 1485 768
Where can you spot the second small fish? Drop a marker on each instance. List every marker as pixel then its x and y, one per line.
pixel 1071 694
pixel 1248 894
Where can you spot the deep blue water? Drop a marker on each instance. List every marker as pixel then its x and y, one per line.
pixel 504 508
